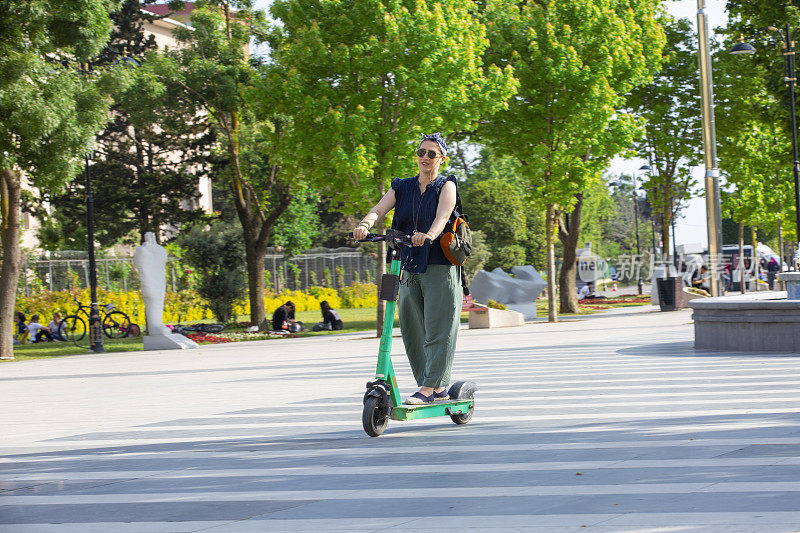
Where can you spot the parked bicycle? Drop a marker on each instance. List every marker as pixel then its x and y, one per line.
pixel 197 328
pixel 115 323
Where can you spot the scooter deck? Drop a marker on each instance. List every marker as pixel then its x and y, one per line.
pixel 451 407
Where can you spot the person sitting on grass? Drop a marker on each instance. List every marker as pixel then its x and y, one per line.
pixel 331 321
pixel 38 331
pixel 587 293
pixel 21 329
pixel 56 327
pixel 283 319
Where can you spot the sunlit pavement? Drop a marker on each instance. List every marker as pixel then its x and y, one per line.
pixel 609 423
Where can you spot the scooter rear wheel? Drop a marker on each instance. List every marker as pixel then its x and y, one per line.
pixel 375 418
pixel 463 390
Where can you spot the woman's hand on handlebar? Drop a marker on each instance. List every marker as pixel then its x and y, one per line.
pixel 359 233
pixel 418 239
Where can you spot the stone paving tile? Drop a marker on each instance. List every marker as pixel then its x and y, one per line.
pixel 588 425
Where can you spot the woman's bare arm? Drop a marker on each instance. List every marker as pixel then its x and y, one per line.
pixel 383 206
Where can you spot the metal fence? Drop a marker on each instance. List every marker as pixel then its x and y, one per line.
pixel 328 267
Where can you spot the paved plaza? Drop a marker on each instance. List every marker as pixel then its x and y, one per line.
pixel 608 423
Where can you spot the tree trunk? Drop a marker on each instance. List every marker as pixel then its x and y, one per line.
pixel 780 250
pixel 252 220
pixel 568 234
pixel 742 285
pixel 255 285
pixel 665 240
pixel 551 264
pixel 10 191
pixel 754 261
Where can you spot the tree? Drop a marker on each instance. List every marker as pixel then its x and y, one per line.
pixel 50 111
pixel 619 229
pixel 216 252
pixel 575 61
pixel 148 160
pixel 671 107
pixel 213 71
pixel 607 221
pixel 498 211
pixel 362 80
pixel 754 125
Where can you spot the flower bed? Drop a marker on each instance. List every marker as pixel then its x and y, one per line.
pixel 236 336
pixel 600 304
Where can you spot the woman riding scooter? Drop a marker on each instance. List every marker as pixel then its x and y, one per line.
pixel 430 295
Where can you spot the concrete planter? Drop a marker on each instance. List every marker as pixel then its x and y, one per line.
pixel 495 318
pixel 688 296
pixel 757 322
pixel 792 281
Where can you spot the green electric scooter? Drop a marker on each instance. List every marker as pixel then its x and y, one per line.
pixel 382 399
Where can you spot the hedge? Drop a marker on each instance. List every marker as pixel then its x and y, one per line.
pixel 187 306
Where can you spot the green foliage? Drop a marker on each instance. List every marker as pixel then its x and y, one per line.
pixel 753 124
pixel 50 109
pixel 216 253
pixel 495 305
pixel 567 122
pixel 358 295
pixel 619 231
pixel 296 229
pixel 494 196
pixel 496 208
pixel 213 73
pixel 147 160
pixel 362 80
pixel 506 256
pixel 479 256
pixel 535 242
pixel 575 61
pixel 340 276
pixel 600 220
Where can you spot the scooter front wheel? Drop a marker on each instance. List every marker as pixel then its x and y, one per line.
pixel 375 418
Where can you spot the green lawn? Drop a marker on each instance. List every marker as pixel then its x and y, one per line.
pixel 42 350
pixel 354 320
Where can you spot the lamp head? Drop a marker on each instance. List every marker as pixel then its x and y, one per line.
pixel 742 48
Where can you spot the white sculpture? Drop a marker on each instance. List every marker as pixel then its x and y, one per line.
pixel 518 293
pixel 151 261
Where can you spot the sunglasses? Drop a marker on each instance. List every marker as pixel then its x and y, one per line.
pixel 431 154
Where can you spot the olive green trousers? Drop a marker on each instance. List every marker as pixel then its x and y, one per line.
pixel 430 313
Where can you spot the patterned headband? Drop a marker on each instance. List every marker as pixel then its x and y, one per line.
pixel 437 138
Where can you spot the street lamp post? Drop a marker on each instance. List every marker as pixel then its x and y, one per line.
pixel 95 324
pixel 713 211
pixel 95 329
pixel 639 282
pixel 787 38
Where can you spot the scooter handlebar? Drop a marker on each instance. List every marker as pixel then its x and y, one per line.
pixel 376 237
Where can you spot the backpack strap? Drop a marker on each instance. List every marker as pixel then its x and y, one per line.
pixel 459 211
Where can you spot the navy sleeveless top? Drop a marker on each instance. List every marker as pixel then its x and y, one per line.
pixel 416 212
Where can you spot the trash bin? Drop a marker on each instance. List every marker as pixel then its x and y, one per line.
pixel 666 294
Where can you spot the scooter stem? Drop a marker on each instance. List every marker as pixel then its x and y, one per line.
pixel 385 370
